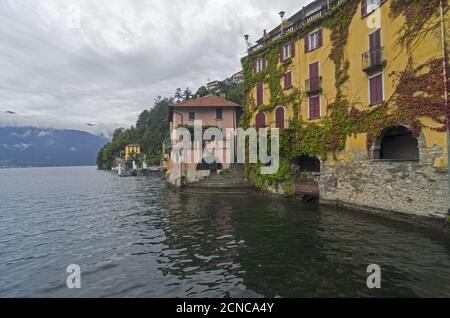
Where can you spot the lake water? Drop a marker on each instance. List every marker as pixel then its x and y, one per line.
pixel 133 237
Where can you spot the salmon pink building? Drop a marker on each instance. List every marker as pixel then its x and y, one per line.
pixel 213 112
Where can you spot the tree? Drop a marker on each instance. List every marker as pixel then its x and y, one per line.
pixel 201 92
pixel 187 94
pixel 178 95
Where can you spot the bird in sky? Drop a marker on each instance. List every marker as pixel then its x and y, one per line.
pixel 10 112
pixel 91 124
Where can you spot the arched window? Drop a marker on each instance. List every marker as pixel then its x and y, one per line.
pixel 397 143
pixel 279 118
pixel 260 121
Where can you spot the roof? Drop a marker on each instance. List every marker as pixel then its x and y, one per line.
pixel 133 145
pixel 207 101
pixel 305 11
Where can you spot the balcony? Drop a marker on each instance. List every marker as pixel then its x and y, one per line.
pixel 302 18
pixel 313 85
pixel 373 61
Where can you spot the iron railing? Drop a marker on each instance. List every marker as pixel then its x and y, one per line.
pixel 373 60
pixel 313 85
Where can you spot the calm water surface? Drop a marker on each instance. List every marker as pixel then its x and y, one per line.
pixel 132 237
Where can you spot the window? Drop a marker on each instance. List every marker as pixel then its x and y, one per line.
pixel 260 121
pixel 314 107
pixel 287 79
pixel 219 113
pixel 375 47
pixel 279 118
pixel 372 5
pixel 314 40
pixel 287 51
pixel 260 64
pixel 376 91
pixel 191 116
pixel 314 77
pixel 368 6
pixel 259 94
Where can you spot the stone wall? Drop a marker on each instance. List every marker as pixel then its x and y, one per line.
pixel 413 187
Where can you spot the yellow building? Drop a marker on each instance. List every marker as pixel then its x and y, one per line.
pixel 132 150
pixel 359 85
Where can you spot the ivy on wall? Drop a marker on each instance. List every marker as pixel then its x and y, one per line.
pixel 418 92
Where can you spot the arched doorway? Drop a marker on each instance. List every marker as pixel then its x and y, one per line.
pixel 260 121
pixel 279 118
pixel 397 143
pixel 213 167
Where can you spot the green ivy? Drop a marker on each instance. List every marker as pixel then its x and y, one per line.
pixel 417 92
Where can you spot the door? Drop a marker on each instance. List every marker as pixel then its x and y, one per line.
pixel 260 121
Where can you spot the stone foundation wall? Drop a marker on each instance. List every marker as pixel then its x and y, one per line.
pixel 417 188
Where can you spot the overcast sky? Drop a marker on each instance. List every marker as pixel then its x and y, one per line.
pixel 65 63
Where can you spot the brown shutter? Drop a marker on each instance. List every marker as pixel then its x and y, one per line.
pixel 292 49
pixel 279 122
pixel 307 44
pixel 259 94
pixel 320 37
pixel 363 8
pixel 281 54
pixel 254 67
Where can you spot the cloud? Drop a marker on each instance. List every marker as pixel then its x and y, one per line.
pixel 22 146
pixel 65 63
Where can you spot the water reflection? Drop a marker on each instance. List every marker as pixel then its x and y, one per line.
pixel 132 237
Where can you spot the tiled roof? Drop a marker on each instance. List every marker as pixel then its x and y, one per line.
pixel 207 101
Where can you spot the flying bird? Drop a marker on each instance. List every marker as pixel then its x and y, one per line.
pixel 10 112
pixel 91 124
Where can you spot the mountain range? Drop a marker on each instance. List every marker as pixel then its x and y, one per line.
pixel 36 147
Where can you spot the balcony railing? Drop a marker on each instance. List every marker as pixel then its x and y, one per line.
pixel 300 23
pixel 373 60
pixel 313 85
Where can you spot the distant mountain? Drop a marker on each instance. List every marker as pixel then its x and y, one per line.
pixel 35 147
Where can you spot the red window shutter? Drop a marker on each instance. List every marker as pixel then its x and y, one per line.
pixel 363 8
pixel 279 123
pixel 281 54
pixel 320 37
pixel 254 67
pixel 264 63
pixel 314 107
pixel 314 76
pixel 287 78
pixel 292 49
pixel 307 44
pixel 289 75
pixel 259 94
pixel 376 89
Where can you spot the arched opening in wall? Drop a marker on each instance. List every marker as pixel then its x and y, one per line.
pixel 260 121
pixel 213 167
pixel 308 164
pixel 279 118
pixel 397 143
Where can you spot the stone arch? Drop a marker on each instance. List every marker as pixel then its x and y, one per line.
pixel 397 143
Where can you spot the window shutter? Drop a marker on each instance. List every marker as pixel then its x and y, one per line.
pixel 307 44
pixel 259 94
pixel 363 8
pixel 292 49
pixel 264 63
pixel 320 37
pixel 281 54
pixel 254 66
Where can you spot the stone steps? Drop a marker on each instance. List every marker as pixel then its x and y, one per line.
pixel 231 181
